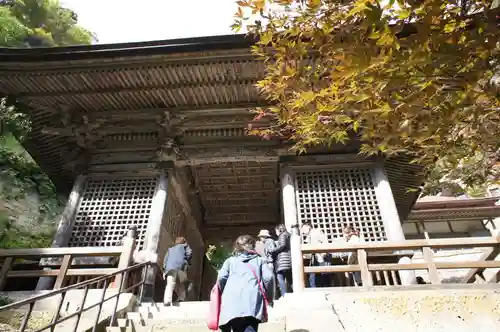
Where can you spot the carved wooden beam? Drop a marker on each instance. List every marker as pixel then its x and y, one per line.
pixel 227 159
pixel 199 156
pixel 188 113
pixel 229 110
pixel 77 160
pixel 126 169
pixel 110 129
pixel 85 132
pixel 51 131
pixel 346 160
pixel 170 125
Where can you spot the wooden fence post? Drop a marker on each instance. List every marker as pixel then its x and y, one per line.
pixel 431 266
pixel 63 270
pixel 129 243
pixel 366 276
pixel 7 264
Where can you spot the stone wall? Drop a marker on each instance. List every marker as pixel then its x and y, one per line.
pixel 414 309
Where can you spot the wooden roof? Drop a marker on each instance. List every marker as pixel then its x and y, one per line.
pixel 127 107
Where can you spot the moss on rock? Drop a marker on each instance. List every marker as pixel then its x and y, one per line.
pixel 11 320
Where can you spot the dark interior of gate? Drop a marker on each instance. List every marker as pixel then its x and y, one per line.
pixel 123 114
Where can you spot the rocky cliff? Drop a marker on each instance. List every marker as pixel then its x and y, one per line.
pixel 29 204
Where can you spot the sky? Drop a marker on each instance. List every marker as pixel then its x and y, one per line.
pixel 118 21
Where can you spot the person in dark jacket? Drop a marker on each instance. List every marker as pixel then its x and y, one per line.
pixel 283 259
pixel 175 265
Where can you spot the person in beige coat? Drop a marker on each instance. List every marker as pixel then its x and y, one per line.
pixel 351 236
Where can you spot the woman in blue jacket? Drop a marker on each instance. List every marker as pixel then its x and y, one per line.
pixel 247 283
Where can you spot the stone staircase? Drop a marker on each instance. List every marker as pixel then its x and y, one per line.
pixel 184 317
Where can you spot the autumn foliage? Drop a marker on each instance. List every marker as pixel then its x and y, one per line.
pixel 405 76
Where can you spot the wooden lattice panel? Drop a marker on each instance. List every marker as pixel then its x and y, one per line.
pixel 332 199
pixel 109 208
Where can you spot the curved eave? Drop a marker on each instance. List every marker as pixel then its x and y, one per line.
pixel 456 203
pixel 478 213
pixel 463 209
pixel 103 51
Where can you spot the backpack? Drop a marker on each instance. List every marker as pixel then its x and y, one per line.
pixel 269 245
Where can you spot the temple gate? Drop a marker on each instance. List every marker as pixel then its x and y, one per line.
pixel 154 135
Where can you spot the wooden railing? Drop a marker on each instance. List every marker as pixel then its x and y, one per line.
pixel 127 277
pixel 26 306
pixel 367 251
pixel 63 271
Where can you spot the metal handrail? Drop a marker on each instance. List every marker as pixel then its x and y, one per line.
pixel 85 284
pixel 18 304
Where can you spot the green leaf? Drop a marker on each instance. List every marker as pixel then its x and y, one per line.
pixel 403 14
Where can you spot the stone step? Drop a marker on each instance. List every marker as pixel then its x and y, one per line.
pixel 157 306
pixel 192 305
pixel 135 318
pixel 183 325
pixel 192 321
pixel 187 309
pixel 122 322
pixel 184 318
pixel 165 327
pixel 120 329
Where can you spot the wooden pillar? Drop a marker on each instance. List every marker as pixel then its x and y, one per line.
pixel 291 223
pixel 387 206
pixel 408 277
pixel 390 217
pixel 126 257
pixel 65 226
pixel 158 207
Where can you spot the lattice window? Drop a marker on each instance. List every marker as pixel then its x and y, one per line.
pixel 332 199
pixel 109 207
